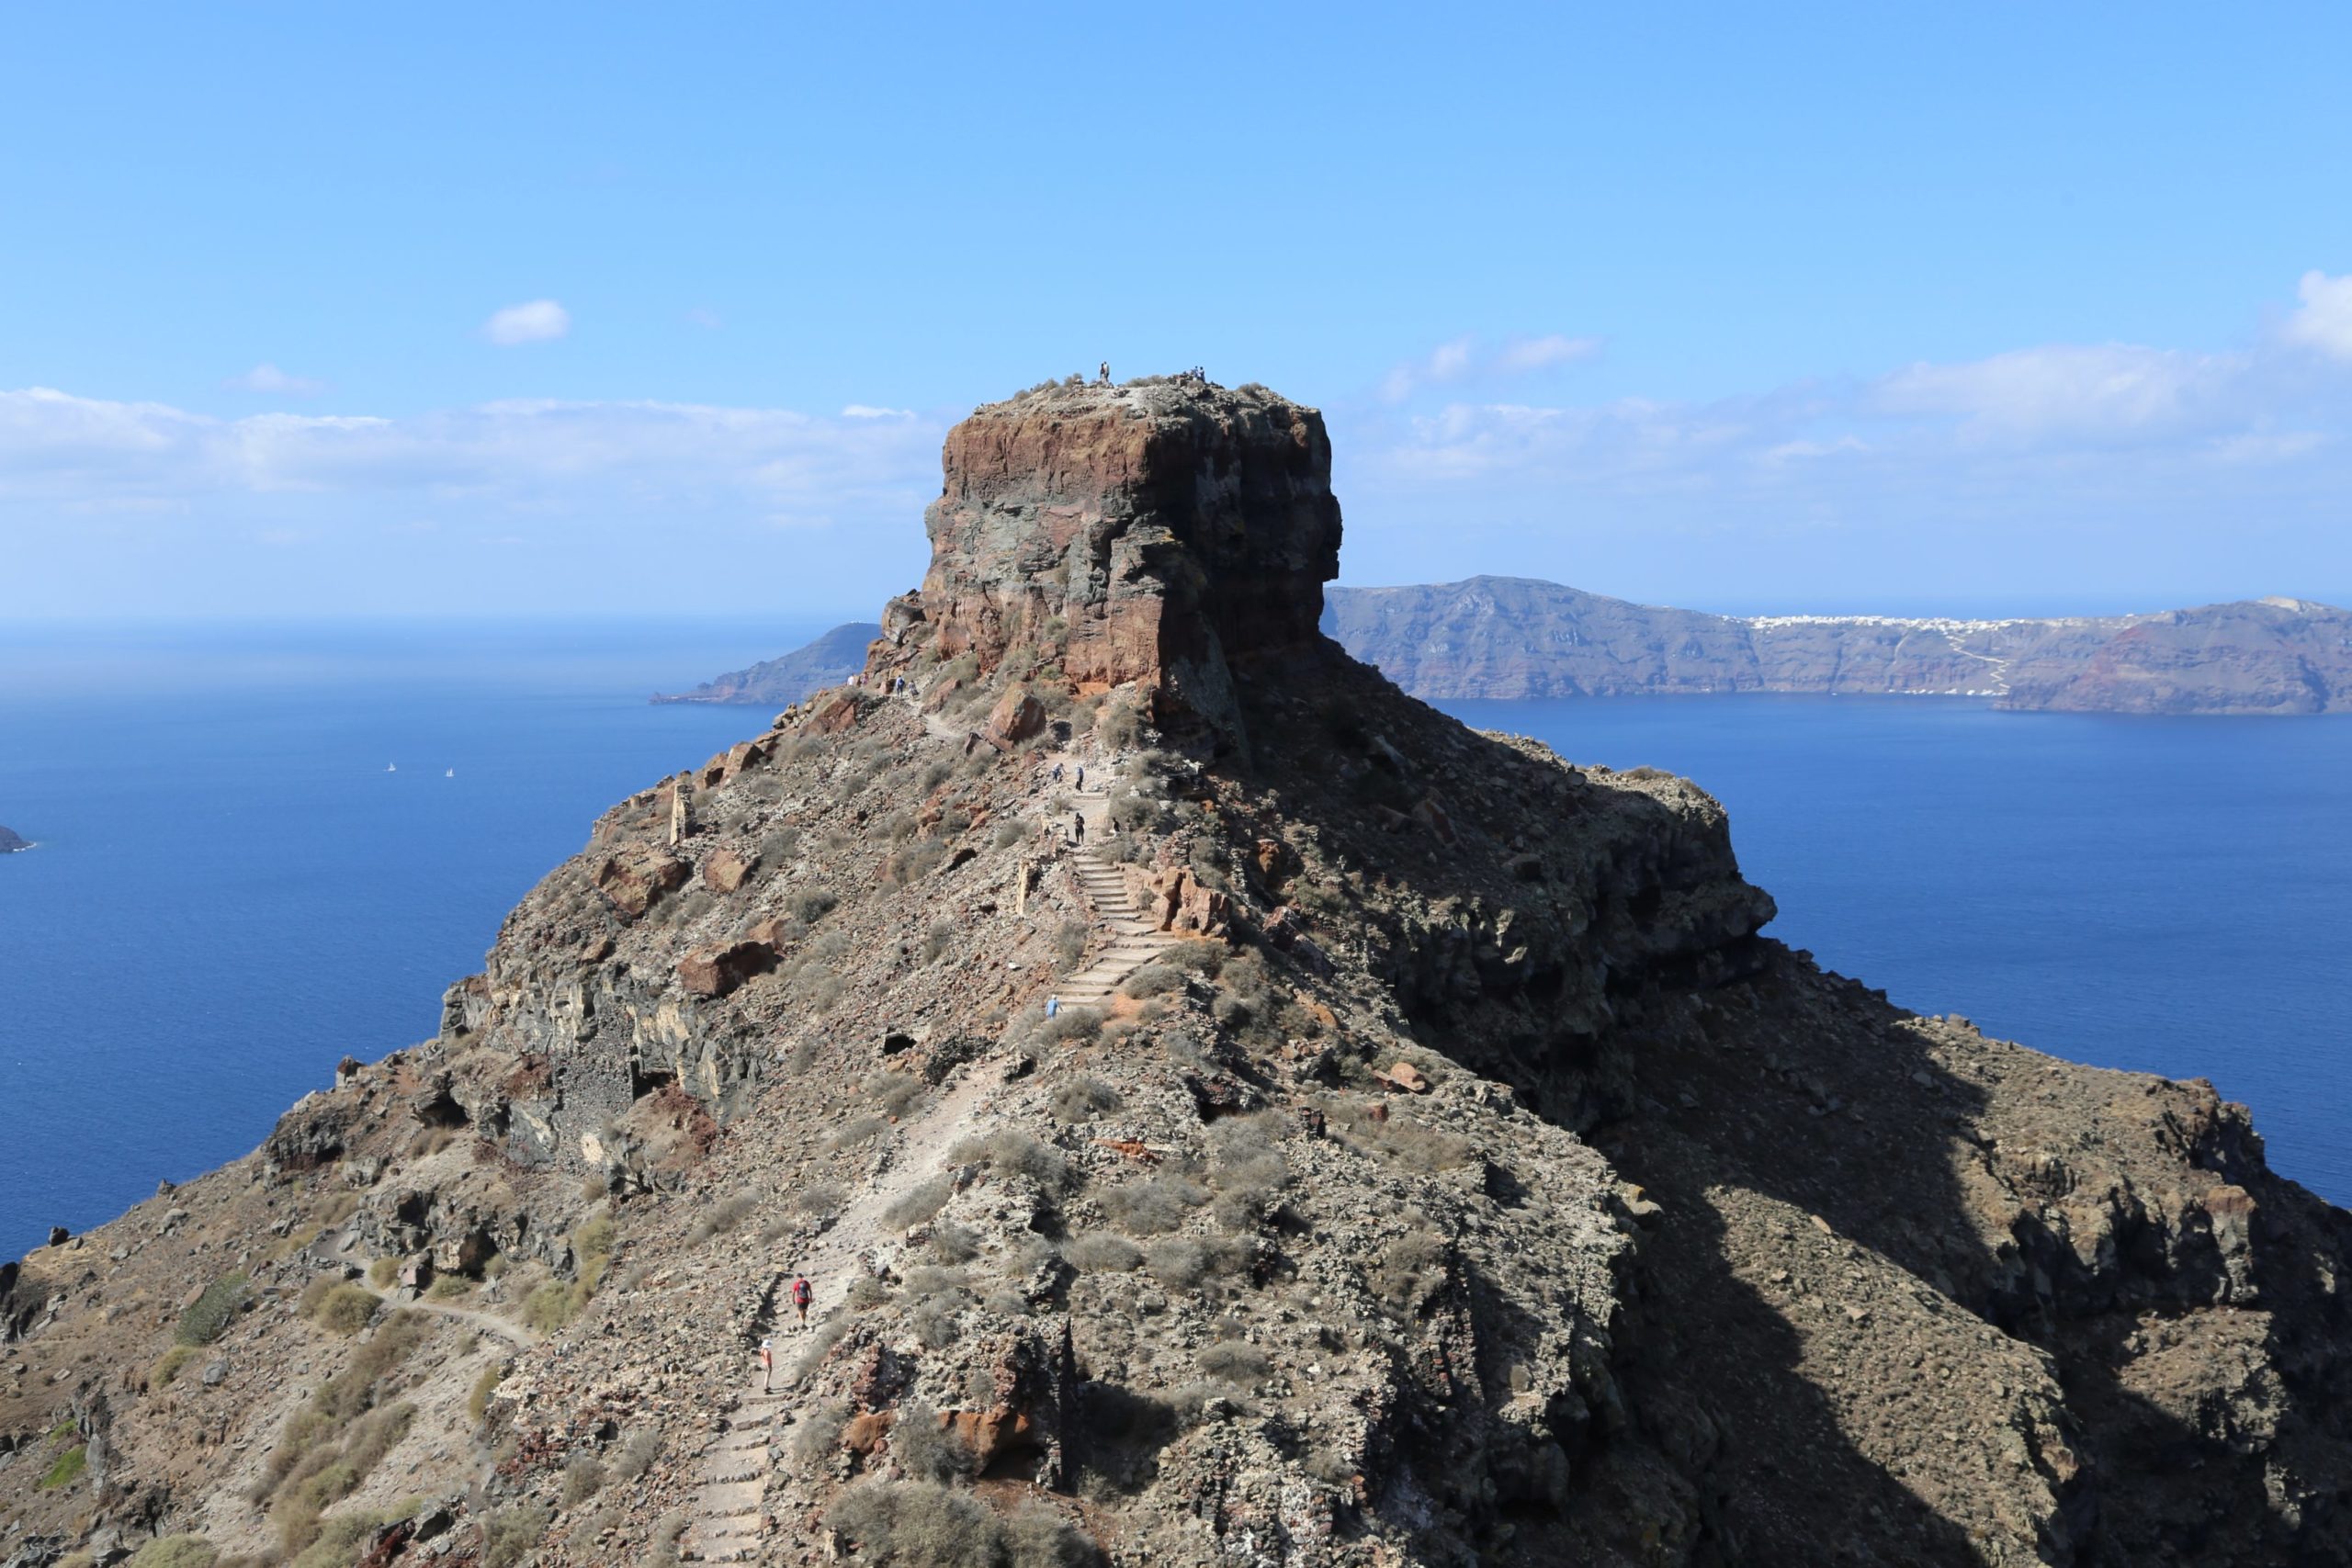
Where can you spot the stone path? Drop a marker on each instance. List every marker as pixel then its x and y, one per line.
pixel 732 1488
pixel 1135 942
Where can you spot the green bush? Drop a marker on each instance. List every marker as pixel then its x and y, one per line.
pixel 344 1308
pixel 554 1304
pixel 208 1318
pixel 67 1469
pixel 175 1552
pixel 169 1365
pixel 477 1402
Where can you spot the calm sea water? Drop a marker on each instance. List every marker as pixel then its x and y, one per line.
pixel 230 891
pixel 2168 894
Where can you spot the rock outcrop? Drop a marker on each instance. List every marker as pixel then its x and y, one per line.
pixel 1495 637
pixel 9 842
pixel 1446 1168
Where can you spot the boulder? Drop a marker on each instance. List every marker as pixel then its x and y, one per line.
pixel 725 870
pixel 716 970
pixel 635 878
pixel 1016 716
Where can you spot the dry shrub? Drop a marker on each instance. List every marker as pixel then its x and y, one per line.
pixel 917 1205
pixel 926 1449
pixel 554 1304
pixel 1011 1153
pixel 1083 1097
pixel 1409 1269
pixel 175 1552
pixel 858 1131
pixel 896 1093
pixel 922 1524
pixel 477 1402
pixel 1070 943
pixel 511 1532
pixel 582 1479
pixel 1152 1204
pixel 637 1453
pixel 170 1365
pixel 824 1198
pixel 819 1437
pixel 952 1242
pixel 1183 1262
pixel 1153 980
pixel 1234 1360
pixel 1245 1167
pixel 342 1308
pixel 1100 1252
pixel 1071 1024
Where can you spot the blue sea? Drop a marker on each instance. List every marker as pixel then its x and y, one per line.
pixel 260 851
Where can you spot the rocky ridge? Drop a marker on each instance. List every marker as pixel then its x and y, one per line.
pixel 1448 1170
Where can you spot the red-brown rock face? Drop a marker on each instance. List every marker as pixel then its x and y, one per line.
pixel 1148 533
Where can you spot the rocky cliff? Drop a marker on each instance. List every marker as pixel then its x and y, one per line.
pixel 1328 1134
pixel 1495 637
pixel 10 842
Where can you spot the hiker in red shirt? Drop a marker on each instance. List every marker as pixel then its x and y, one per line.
pixel 800 1296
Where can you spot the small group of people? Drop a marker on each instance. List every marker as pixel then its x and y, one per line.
pixel 1081 774
pixel 800 1293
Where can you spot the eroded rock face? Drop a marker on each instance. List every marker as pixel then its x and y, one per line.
pixel 1147 534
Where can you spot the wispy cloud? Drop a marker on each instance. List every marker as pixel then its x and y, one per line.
pixel 867 410
pixel 2324 320
pixel 270 381
pixel 1468 359
pixel 538 320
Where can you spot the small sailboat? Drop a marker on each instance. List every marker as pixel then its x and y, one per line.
pixel 392 767
pixel 450 774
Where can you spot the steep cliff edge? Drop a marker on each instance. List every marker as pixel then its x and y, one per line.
pixel 1452 1172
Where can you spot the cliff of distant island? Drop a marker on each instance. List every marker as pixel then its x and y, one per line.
pixel 1510 637
pixel 1334 1136
pixel 1505 636
pixel 779 682
pixel 9 842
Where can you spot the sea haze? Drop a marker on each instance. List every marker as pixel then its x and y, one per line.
pixel 2171 895
pixel 230 891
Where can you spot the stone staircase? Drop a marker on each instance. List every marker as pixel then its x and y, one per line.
pixel 733 1485
pixel 1134 941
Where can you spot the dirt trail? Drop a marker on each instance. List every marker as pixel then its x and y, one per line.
pixel 489 1323
pixel 732 1481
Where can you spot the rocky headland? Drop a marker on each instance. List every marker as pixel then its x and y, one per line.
pixel 1331 1136
pixel 1508 637
pixel 779 682
pixel 10 842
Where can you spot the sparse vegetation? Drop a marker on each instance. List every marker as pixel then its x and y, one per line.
pixel 175 1552
pixel 66 1470
pixel 1153 980
pixel 896 1093
pixel 918 1203
pixel 821 1198
pixel 922 1524
pixel 1070 943
pixel 1083 1097
pixel 721 1217
pixel 1010 1152
pixel 169 1365
pixel 511 1532
pixel 819 1437
pixel 582 1479
pixel 1183 1262
pixel 1100 1252
pixel 858 1131
pixel 1070 1025
pixel 926 1449
pixel 1152 1204
pixel 341 1307
pixel 208 1317
pixel 950 1243
pixel 477 1402
pixel 1233 1361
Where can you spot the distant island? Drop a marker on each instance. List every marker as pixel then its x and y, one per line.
pixel 1516 637
pixel 780 682
pixel 10 843
pixel 1507 636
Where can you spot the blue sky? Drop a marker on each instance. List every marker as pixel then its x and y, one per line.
pixel 594 309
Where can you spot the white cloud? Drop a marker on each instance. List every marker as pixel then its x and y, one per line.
pixel 540 320
pixel 2325 319
pixel 550 457
pixel 1466 358
pixel 2107 392
pixel 867 410
pixel 270 380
